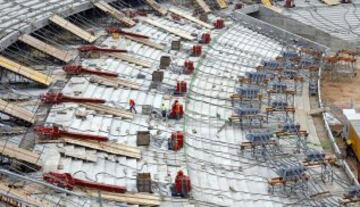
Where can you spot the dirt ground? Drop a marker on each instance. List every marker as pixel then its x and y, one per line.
pixel 342 92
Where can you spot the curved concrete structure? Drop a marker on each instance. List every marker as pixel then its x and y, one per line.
pixel 27 16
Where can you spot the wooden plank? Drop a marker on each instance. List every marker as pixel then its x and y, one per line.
pixel 72 28
pixel 25 71
pixel 222 4
pixel 146 42
pixel 175 31
pixel 153 4
pixel 331 2
pixel 108 147
pixel 191 18
pixel 114 82
pixel 108 110
pixel 15 152
pixel 131 59
pixel 130 198
pixel 16 111
pixel 46 48
pixel 115 13
pixel 21 195
pixel 203 6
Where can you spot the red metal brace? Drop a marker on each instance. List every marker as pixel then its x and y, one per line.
pixel 119 31
pixel 219 23
pixel 189 67
pixel 181 87
pixel 93 48
pixel 56 98
pixel 78 69
pixel 205 38
pixel 196 50
pixel 66 180
pixel 55 133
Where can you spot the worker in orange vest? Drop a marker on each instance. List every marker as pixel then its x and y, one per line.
pixel 177 109
pixel 132 105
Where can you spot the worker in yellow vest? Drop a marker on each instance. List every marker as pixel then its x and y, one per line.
pixel 348 147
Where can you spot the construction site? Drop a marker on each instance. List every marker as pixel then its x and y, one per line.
pixel 184 103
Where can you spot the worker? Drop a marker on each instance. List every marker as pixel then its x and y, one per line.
pixel 132 105
pixel 348 147
pixel 163 110
pixel 177 110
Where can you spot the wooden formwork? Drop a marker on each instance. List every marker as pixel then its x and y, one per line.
pixel 115 13
pixel 46 48
pixel 16 111
pixel 25 71
pixel 72 28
